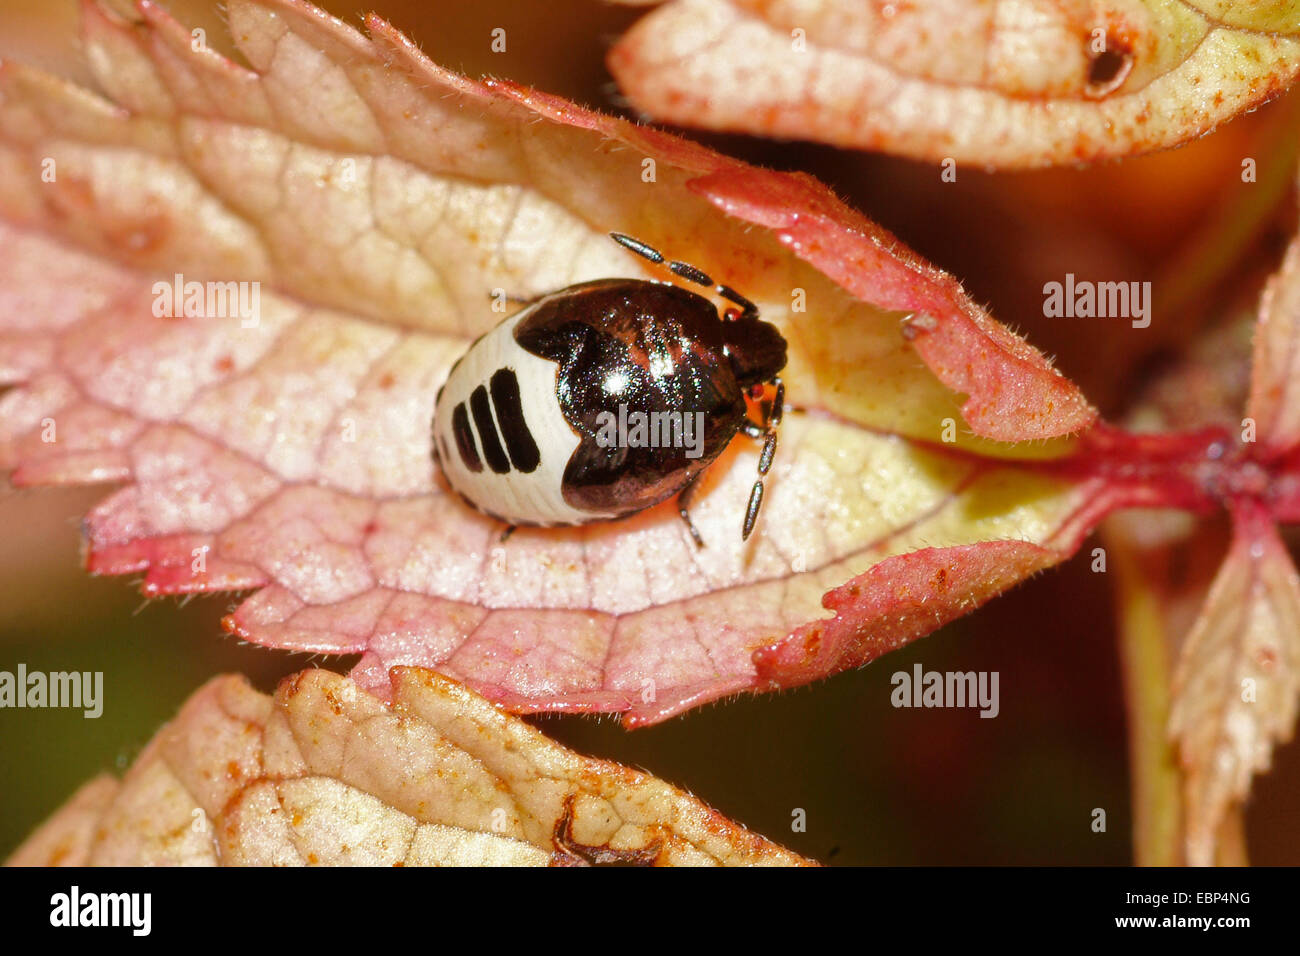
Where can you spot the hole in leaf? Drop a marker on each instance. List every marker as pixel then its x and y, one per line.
pixel 1108 70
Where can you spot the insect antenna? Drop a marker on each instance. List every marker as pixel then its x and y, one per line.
pixel 687 271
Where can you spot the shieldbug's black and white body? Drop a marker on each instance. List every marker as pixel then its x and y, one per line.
pixel 606 398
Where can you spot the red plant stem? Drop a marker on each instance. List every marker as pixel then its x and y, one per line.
pixel 1199 471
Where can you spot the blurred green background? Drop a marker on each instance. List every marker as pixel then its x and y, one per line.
pixel 879 785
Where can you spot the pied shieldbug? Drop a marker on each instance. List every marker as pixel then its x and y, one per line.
pixel 530 426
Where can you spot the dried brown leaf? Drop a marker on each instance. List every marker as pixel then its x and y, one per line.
pixel 323 773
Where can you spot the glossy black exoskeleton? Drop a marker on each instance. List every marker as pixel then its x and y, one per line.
pixel 613 349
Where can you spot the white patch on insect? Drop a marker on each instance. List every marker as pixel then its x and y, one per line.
pixel 535 497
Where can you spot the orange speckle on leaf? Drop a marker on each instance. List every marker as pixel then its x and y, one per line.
pixel 812 642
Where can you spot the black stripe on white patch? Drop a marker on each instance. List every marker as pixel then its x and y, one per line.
pixel 465 438
pixel 487 431
pixel 510 416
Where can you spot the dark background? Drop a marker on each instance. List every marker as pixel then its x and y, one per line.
pixel 879 785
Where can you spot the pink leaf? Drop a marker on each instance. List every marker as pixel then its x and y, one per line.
pixel 376 200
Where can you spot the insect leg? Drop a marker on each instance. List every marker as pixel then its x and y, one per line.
pixel 751 512
pixel 767 432
pixel 505 535
pixel 769 449
pixel 683 503
pixel 778 404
